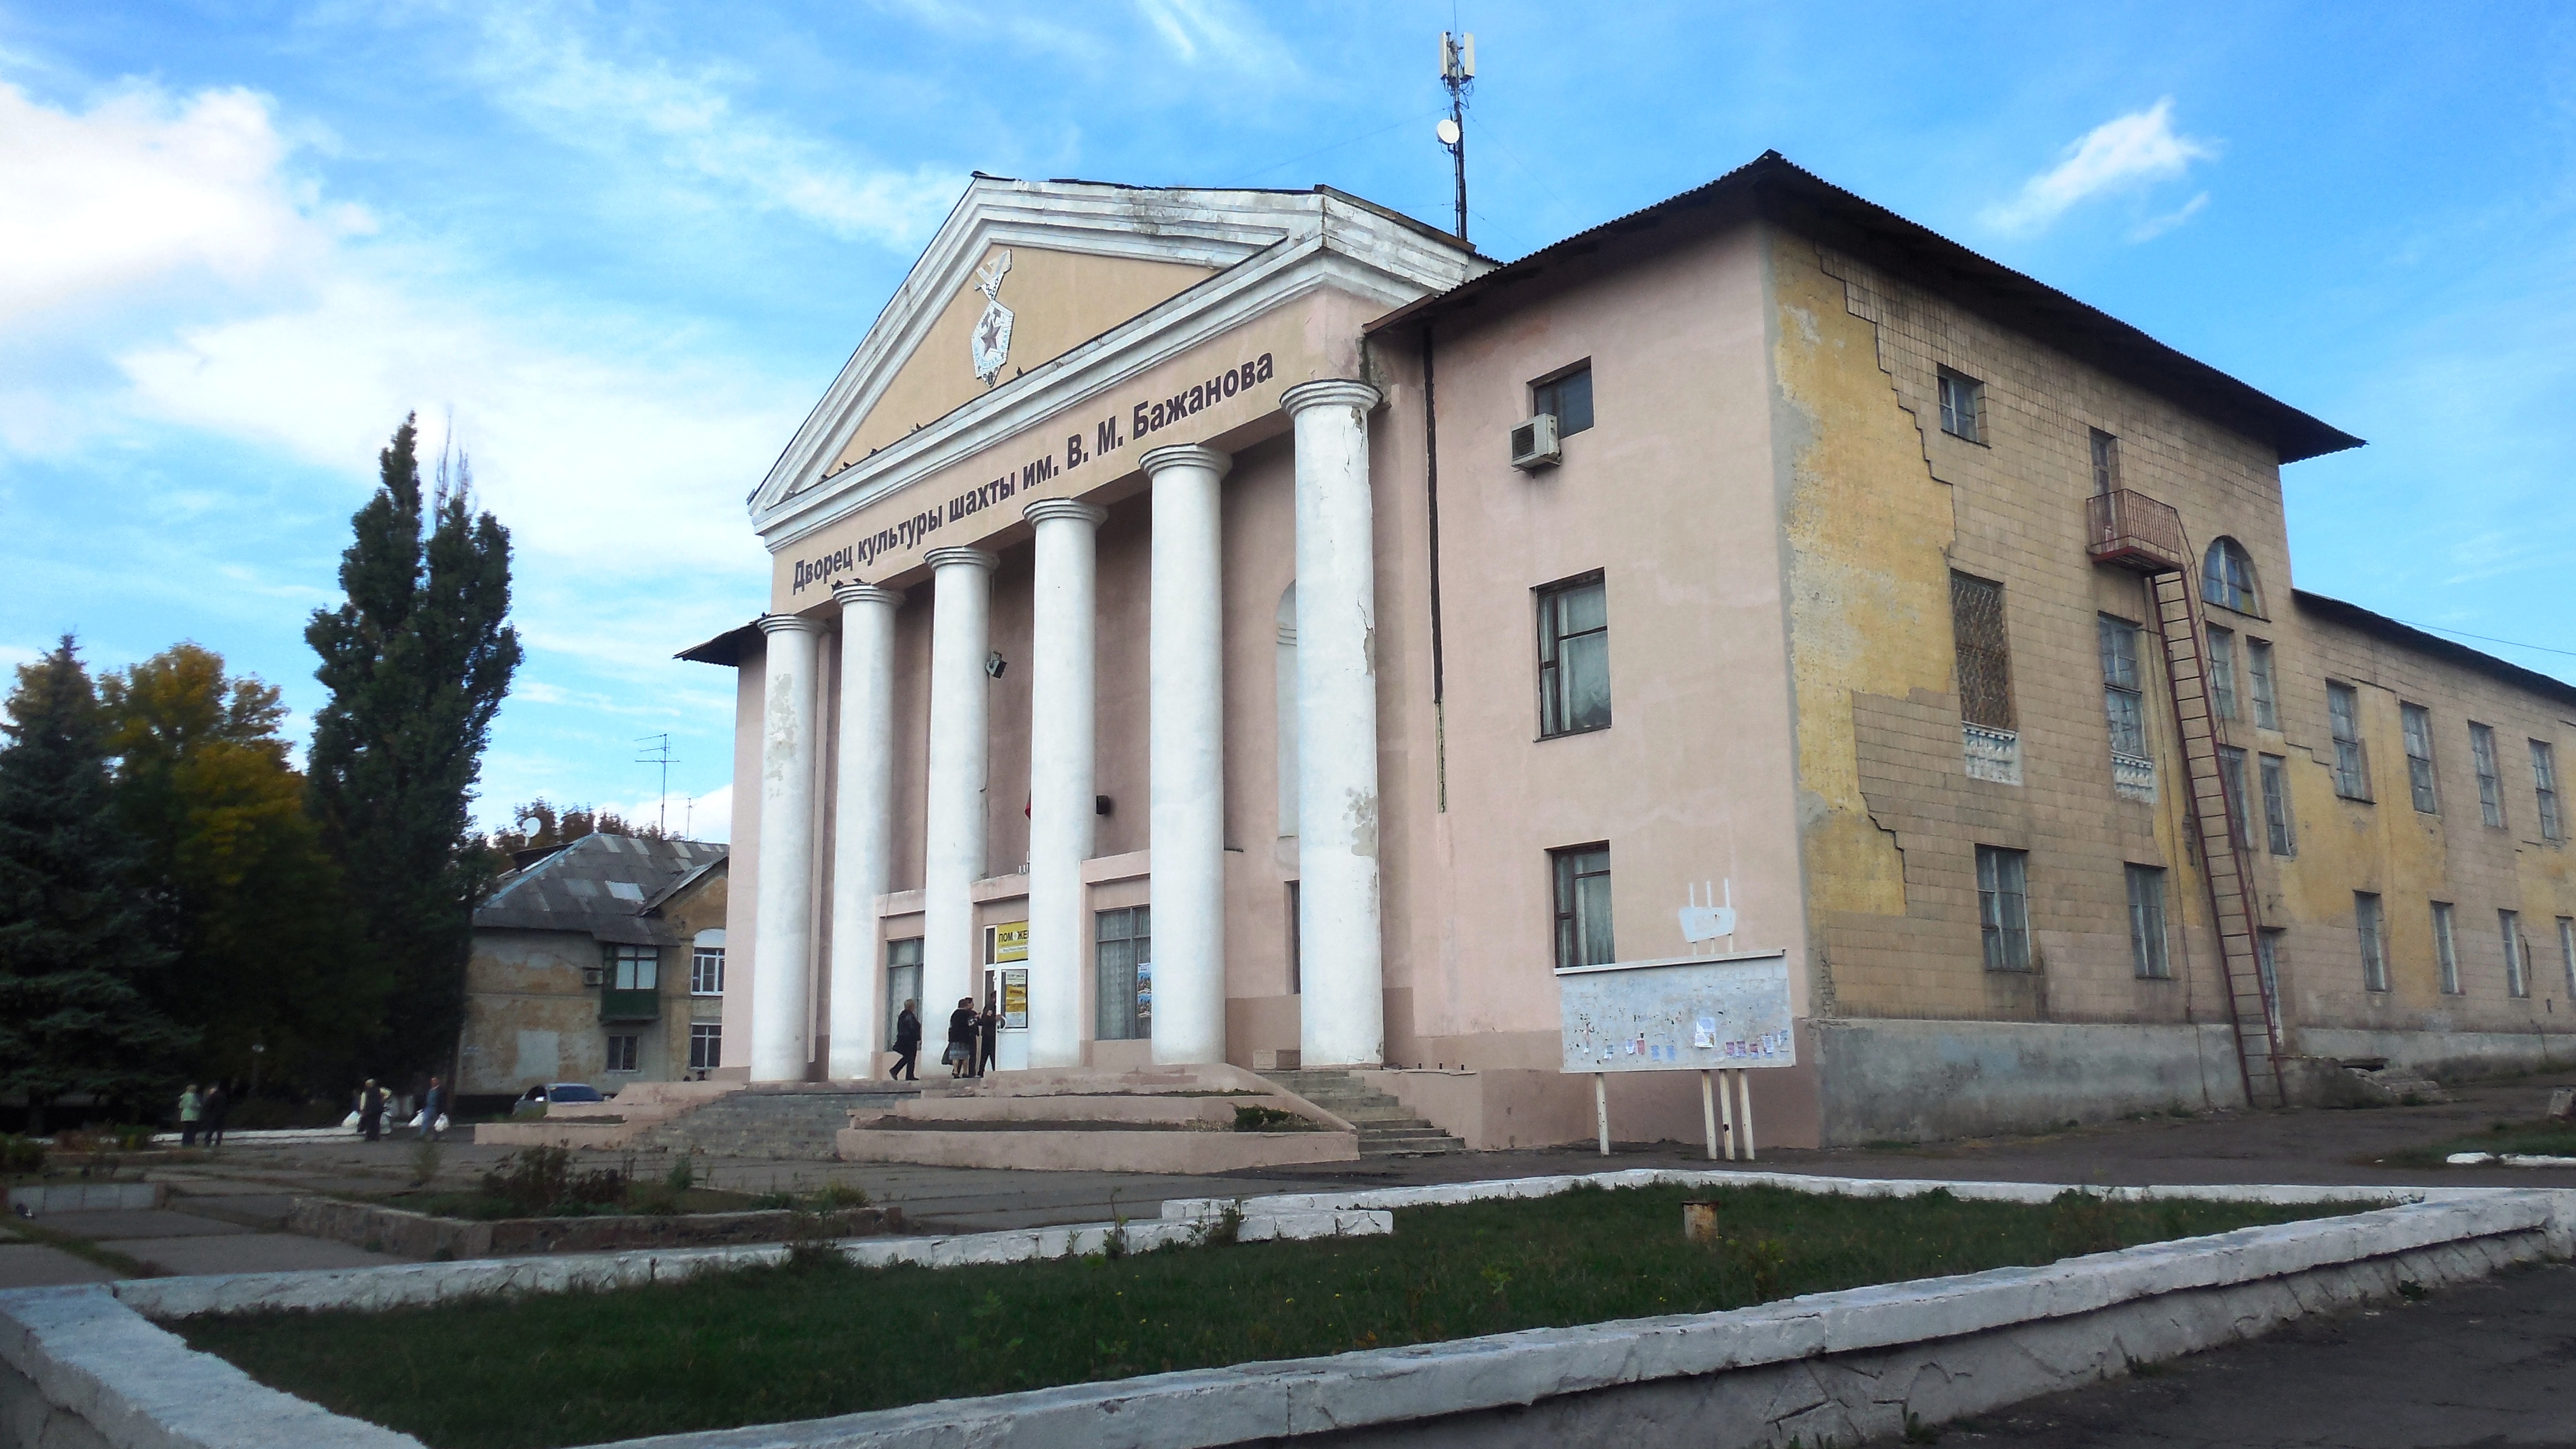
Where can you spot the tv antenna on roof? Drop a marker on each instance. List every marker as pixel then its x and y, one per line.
pixel 659 747
pixel 1458 73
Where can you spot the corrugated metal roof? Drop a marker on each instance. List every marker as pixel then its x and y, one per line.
pixel 601 884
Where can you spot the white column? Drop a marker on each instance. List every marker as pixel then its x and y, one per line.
pixel 862 823
pixel 1062 647
pixel 1341 969
pixel 1186 743
pixel 783 943
pixel 961 608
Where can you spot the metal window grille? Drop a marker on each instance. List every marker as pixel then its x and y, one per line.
pixel 2351 768
pixel 2482 753
pixel 2446 948
pixel 1985 651
pixel 1123 957
pixel 2267 698
pixel 2544 783
pixel 1582 891
pixel 2367 924
pixel 2282 835
pixel 2147 921
pixel 2419 756
pixel 2003 907
pixel 1574 657
pixel 1569 397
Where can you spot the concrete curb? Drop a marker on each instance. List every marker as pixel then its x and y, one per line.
pixel 89 1197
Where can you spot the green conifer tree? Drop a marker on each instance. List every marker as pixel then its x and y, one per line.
pixel 416 662
pixel 79 948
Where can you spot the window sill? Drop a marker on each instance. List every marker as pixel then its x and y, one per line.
pixel 2357 799
pixel 1571 734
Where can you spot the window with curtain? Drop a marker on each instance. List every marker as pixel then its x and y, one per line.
pixel 1573 657
pixel 1582 891
pixel 2003 907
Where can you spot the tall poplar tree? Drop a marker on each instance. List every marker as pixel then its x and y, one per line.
pixel 79 946
pixel 416 662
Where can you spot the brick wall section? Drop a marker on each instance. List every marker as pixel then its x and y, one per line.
pixel 2018 504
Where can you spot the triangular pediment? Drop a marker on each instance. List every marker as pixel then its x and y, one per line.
pixel 1084 258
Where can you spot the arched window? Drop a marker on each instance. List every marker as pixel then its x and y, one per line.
pixel 2227 579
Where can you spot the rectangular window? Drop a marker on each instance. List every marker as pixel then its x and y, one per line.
pixel 2351 765
pixel 2370 926
pixel 1569 397
pixel 2446 948
pixel 1963 402
pixel 2284 837
pixel 706 1046
pixel 1582 890
pixel 2231 781
pixel 2419 755
pixel 635 968
pixel 903 982
pixel 2222 673
pixel 2517 961
pixel 2490 780
pixel 1985 653
pixel 2147 921
pixel 2003 907
pixel 1573 657
pixel 1296 941
pixel 2567 952
pixel 1123 956
pixel 2267 697
pixel 2267 965
pixel 2106 461
pixel 2544 784
pixel 623 1053
pixel 2123 697
pixel 706 971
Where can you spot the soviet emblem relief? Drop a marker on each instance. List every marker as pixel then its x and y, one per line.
pixel 992 342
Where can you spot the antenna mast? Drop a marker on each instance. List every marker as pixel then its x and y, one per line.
pixel 660 747
pixel 1458 73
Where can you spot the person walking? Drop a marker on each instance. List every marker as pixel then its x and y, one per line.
pixel 371 1111
pixel 191 1108
pixel 433 1106
pixel 988 1033
pixel 907 1045
pixel 218 1103
pixel 961 1038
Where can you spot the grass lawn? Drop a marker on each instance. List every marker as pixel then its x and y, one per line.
pixel 763 1345
pixel 2544 1138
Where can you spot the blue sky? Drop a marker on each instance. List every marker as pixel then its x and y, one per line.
pixel 624 249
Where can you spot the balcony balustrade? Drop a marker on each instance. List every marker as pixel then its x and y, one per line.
pixel 2135 532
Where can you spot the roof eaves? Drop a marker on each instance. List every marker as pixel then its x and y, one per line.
pixel 2354 616
pixel 725 649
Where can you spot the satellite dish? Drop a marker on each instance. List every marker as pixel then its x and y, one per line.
pixel 1447 131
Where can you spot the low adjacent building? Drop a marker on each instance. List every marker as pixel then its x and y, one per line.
pixel 601 961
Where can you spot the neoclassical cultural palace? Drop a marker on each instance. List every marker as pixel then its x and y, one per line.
pixel 1251 626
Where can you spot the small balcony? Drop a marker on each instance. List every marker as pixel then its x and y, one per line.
pixel 630 1005
pixel 2135 532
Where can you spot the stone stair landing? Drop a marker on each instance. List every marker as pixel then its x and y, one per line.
pixel 1386 1126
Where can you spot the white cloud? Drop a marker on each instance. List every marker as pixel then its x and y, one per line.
pixel 2125 153
pixel 2156 226
pixel 1227 33
pixel 549 77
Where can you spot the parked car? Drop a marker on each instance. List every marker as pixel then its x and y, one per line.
pixel 534 1103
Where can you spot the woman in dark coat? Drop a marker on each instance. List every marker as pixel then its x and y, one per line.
pixel 961 1037
pixel 988 1035
pixel 907 1046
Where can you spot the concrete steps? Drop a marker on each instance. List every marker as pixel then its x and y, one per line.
pixel 799 1120
pixel 1386 1126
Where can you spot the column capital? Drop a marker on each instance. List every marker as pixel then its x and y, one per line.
pixel 1048 509
pixel 940 558
pixel 789 624
pixel 850 596
pixel 1186 455
pixel 1329 392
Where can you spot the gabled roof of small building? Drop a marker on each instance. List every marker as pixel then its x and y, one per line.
pixel 1773 188
pixel 604 885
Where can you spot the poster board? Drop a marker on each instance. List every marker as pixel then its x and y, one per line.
pixel 1015 998
pixel 1690 1013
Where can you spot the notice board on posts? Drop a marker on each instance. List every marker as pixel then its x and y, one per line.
pixel 1689 1013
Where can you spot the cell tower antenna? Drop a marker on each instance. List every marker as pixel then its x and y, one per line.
pixel 658 749
pixel 1458 73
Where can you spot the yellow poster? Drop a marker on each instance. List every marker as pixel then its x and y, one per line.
pixel 1010 942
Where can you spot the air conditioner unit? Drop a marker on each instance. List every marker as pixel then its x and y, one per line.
pixel 1534 444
